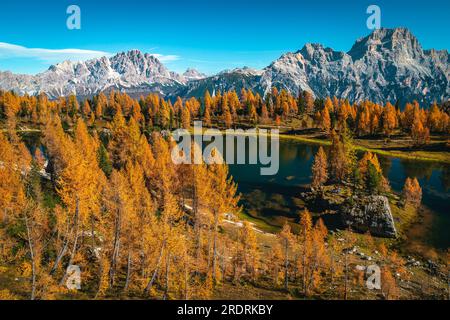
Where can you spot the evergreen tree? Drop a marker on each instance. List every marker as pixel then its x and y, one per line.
pixel 103 160
pixel 373 179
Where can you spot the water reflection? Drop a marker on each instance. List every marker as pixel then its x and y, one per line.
pixel 277 197
pixel 273 196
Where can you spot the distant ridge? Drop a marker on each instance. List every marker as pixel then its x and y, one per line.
pixel 387 65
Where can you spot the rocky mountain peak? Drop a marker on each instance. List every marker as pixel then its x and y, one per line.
pixel 135 62
pixel 309 49
pixel 386 65
pixel 192 74
pixel 318 53
pixel 64 66
pixel 398 42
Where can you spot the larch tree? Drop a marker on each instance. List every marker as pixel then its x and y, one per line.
pixel 78 180
pixel 250 252
pixel 342 155
pixel 350 241
pixel 222 198
pixel 252 113
pixel 412 192
pixel 367 158
pixel 119 142
pixel 264 119
pixel 419 133
pixel 305 243
pixel 275 264
pixel 207 116
pixel 434 116
pixel 185 118
pixel 389 118
pixel 170 230
pixel 308 100
pixel 286 238
pixel 325 120
pixel 319 169
pixel 318 258
pixel 137 219
pixel 86 108
pixel 11 188
pixel 388 284
pixel 200 192
pixel 119 204
pixel 227 117
pixel 33 218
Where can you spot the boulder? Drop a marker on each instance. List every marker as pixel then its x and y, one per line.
pixel 372 213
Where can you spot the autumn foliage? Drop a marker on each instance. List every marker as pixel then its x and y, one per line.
pixel 103 193
pixel 412 192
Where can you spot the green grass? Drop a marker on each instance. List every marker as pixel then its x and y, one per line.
pixel 306 139
pixel 443 157
pixel 418 155
pixel 259 223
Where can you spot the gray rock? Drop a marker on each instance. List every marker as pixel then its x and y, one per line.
pixel 432 266
pixel 386 65
pixel 131 71
pixel 372 214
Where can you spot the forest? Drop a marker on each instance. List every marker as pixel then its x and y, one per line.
pixel 102 193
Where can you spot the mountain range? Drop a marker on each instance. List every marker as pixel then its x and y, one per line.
pixel 386 65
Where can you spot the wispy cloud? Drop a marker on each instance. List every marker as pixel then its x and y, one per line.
pixel 8 50
pixel 165 58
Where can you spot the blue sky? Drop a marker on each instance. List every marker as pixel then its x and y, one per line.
pixel 208 35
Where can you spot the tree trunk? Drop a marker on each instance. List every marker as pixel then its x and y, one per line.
pixel 155 272
pixel 59 257
pixel 100 277
pixel 304 270
pixel 208 260
pixel 127 281
pixel 115 254
pixel 186 279
pixel 65 246
pixel 72 254
pixel 332 268
pixel 93 236
pixel 33 263
pixel 346 277
pixel 286 262
pixel 166 290
pixel 295 263
pixel 214 262
pixel 142 254
pixel 197 222
pixel 223 263
pixel 5 216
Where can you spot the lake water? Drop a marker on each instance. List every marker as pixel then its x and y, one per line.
pixel 274 197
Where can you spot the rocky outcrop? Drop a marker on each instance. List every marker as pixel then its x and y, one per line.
pixel 372 213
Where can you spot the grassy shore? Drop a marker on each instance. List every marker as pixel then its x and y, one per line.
pixel 396 149
pixel 374 147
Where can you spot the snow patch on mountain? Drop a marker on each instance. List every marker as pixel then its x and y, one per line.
pixel 386 65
